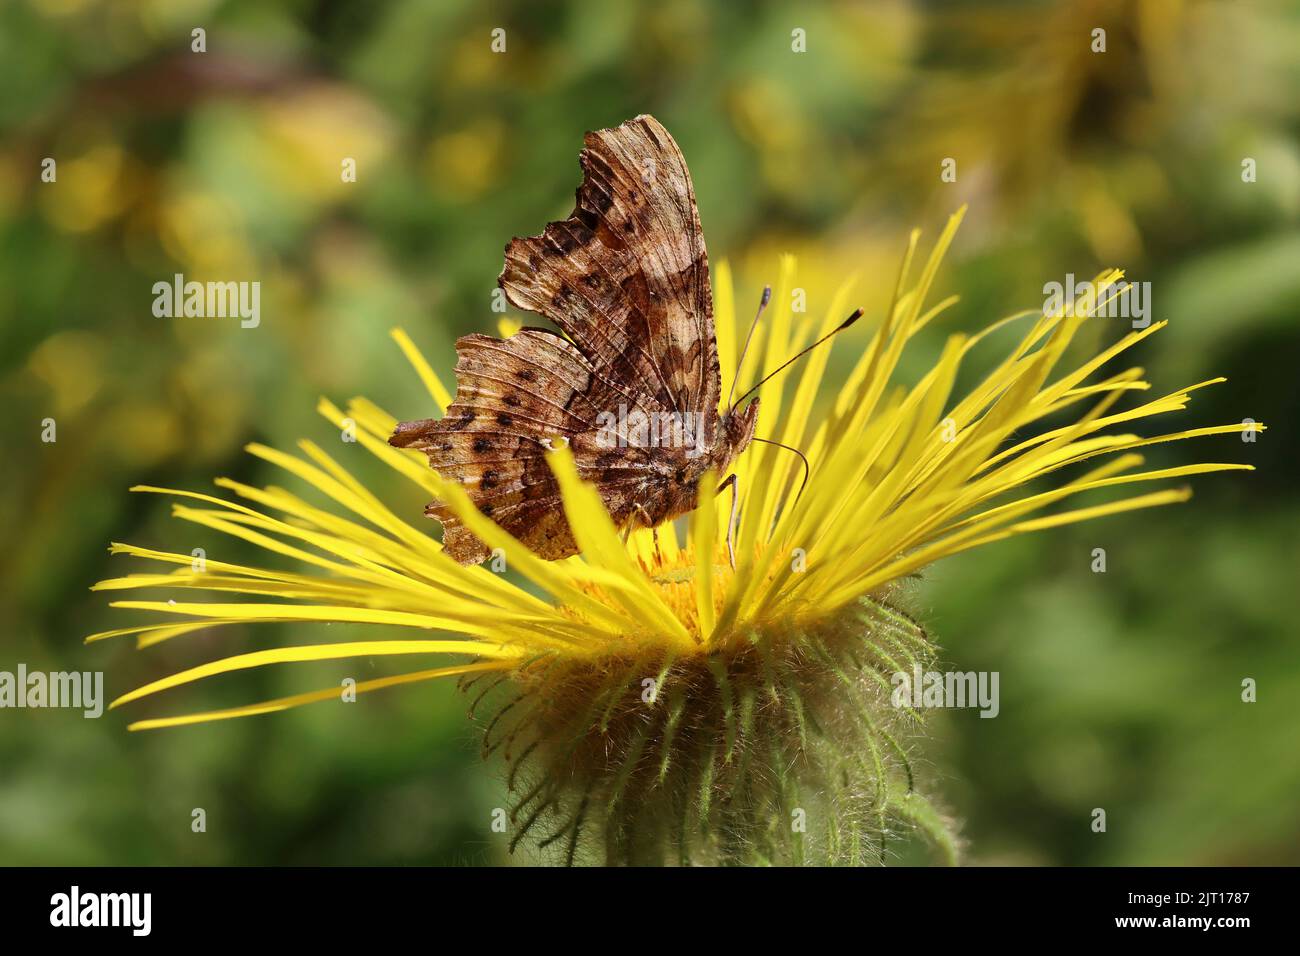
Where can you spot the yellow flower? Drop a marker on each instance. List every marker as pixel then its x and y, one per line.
pixel 650 699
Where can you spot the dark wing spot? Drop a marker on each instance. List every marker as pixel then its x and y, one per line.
pixel 512 400
pixel 481 445
pixel 490 479
pixel 563 295
pixel 563 242
pixel 505 420
pixel 601 197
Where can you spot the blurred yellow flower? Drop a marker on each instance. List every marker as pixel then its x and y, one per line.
pixel 310 132
pixel 93 188
pixel 463 163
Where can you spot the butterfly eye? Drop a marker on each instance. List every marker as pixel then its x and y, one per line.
pixel 680 477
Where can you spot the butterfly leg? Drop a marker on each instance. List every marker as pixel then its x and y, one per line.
pixel 629 527
pixel 731 522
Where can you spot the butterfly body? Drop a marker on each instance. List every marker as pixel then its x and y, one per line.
pixel 632 384
pixel 668 484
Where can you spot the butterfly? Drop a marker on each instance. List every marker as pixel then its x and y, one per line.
pixel 632 385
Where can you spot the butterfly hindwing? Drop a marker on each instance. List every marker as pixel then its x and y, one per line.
pixel 514 398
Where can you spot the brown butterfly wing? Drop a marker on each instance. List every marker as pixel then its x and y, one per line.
pixel 514 397
pixel 626 276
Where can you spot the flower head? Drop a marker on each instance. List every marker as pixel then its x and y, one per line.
pixel 649 698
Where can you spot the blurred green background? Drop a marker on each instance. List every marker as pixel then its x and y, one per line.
pixel 1119 690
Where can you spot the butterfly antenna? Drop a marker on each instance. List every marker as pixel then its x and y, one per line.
pixel 802 457
pixel 857 314
pixel 767 297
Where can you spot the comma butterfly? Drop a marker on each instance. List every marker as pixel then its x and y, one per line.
pixel 632 385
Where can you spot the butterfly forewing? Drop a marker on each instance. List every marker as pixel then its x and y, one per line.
pixel 626 276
